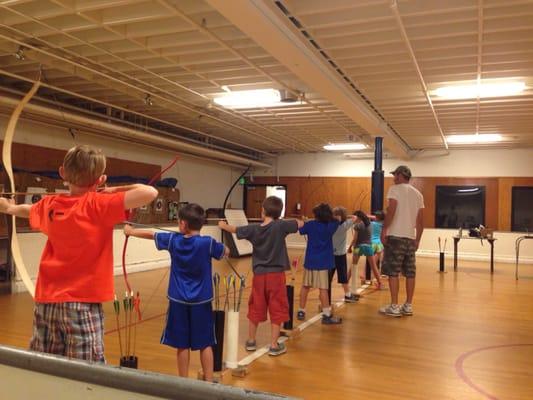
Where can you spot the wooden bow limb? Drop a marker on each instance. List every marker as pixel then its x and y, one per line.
pixel 8 165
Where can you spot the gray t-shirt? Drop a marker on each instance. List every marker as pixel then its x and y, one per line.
pixel 269 247
pixel 363 233
pixel 339 238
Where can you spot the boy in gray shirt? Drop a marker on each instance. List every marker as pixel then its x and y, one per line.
pixel 270 260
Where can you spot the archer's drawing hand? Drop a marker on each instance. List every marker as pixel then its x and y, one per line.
pixel 222 224
pixel 128 230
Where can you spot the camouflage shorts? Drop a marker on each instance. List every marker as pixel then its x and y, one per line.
pixel 399 256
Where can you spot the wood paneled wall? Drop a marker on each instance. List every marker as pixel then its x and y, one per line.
pixel 37 158
pixel 354 193
pixel 505 186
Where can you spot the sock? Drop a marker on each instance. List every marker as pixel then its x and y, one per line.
pixel 348 294
pixel 327 311
pixel 301 309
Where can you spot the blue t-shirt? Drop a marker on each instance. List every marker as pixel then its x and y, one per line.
pixel 319 250
pixel 376 231
pixel 190 268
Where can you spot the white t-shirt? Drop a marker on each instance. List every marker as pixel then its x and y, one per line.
pixel 409 201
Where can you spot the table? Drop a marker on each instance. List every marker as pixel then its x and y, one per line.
pixel 517 249
pixel 456 242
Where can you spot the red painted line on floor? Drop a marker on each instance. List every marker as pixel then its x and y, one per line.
pixel 222 297
pixel 136 323
pixel 461 372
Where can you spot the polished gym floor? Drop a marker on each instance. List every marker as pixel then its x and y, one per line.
pixel 471 337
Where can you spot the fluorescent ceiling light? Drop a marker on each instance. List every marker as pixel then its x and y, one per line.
pixel 344 146
pixel 500 89
pixel 474 139
pixel 251 99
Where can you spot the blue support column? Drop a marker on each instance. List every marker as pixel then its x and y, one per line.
pixel 378 183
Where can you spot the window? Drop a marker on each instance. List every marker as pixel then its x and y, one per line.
pixel 521 209
pixel 460 206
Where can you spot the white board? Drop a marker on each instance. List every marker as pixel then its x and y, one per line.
pixel 238 218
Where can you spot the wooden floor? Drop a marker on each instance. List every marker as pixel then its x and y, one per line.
pixel 471 338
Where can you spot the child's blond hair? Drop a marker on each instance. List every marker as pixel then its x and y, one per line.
pixel 83 165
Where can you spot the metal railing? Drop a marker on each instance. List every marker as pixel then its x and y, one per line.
pixel 130 380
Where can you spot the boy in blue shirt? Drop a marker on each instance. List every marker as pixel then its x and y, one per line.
pixel 319 259
pixel 189 323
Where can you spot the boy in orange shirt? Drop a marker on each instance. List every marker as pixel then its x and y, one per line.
pixel 76 268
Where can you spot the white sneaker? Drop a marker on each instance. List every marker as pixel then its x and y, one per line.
pixel 392 310
pixel 406 309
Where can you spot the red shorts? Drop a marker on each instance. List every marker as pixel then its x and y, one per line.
pixel 269 293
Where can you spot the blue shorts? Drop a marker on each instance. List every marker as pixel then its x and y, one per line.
pixel 364 250
pixel 189 326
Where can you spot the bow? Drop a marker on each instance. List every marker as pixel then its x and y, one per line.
pixel 233 187
pixel 8 165
pixel 224 208
pixel 131 216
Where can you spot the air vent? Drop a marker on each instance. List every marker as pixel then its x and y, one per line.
pixel 287 97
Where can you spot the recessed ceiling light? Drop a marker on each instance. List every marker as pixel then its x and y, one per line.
pixel 474 139
pixel 344 146
pixel 250 99
pixel 496 89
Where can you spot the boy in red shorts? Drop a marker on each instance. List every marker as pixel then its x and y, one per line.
pixel 76 268
pixel 270 261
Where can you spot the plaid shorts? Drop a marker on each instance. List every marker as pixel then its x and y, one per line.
pixel 74 330
pixel 399 256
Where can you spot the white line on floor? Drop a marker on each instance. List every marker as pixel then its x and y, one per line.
pixel 263 350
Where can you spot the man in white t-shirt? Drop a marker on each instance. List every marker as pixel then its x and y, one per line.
pixel 401 235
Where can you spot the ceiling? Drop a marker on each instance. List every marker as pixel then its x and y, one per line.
pixel 360 68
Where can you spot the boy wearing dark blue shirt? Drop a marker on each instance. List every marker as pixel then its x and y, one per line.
pixel 189 323
pixel 319 259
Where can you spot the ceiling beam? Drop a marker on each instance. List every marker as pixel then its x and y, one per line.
pixel 262 22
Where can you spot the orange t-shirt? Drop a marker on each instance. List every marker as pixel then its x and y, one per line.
pixel 77 261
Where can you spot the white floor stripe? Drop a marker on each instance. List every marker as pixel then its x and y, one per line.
pixel 263 350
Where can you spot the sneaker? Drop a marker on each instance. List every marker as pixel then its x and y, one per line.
pixel 352 298
pixel 392 310
pixel 331 320
pixel 406 309
pixel 276 351
pixel 300 316
pixel 250 345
